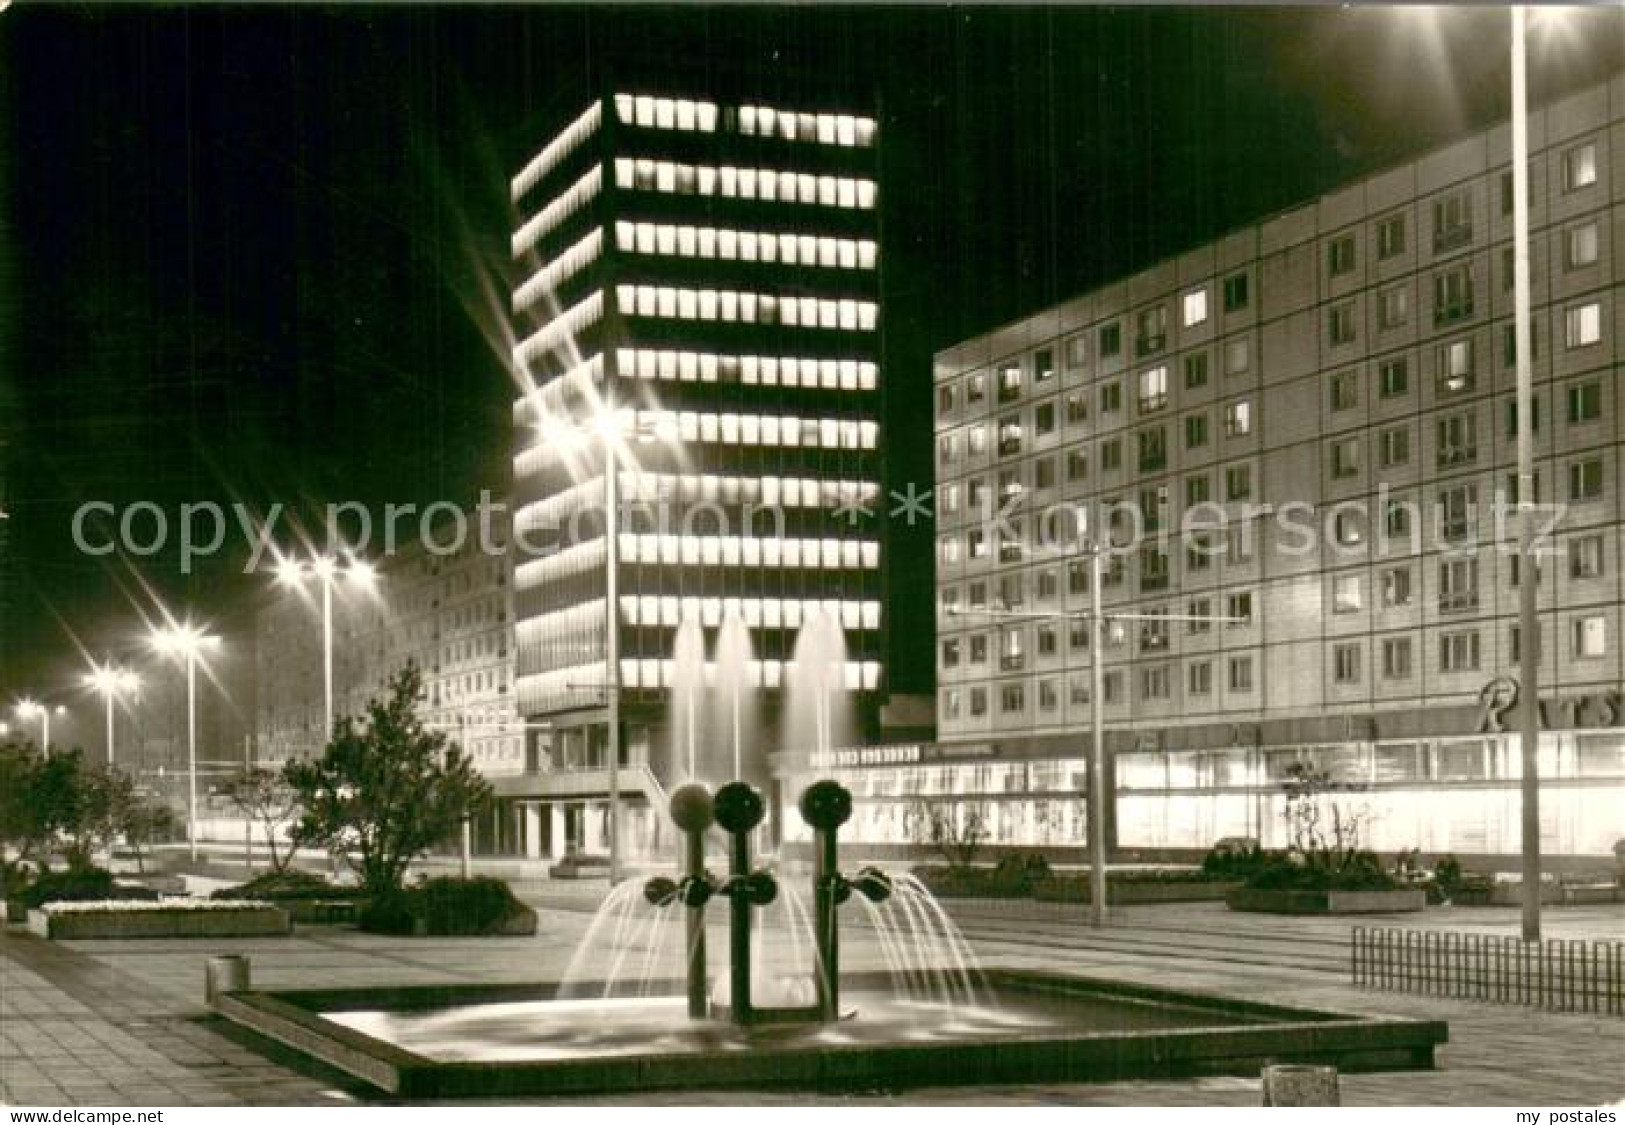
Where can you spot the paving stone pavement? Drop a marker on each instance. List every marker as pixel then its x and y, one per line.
pixel 123 1022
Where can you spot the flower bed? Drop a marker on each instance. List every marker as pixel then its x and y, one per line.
pixel 73 921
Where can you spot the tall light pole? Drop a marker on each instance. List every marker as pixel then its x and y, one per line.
pixel 1528 574
pixel 109 682
pixel 188 642
pixel 33 709
pixel 327 570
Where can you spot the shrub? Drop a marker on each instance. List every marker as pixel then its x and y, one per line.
pixel 1360 871
pixel 389 913
pixel 464 906
pixel 80 884
pixel 288 884
pixel 1236 863
pixel 1020 871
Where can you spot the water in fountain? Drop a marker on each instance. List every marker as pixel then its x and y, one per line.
pixel 926 955
pixel 627 943
pixel 818 706
pixel 687 698
pixel 733 717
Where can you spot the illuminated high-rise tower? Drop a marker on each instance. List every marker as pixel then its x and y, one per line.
pixel 697 295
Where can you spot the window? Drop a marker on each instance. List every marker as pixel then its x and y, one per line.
pixel 1585 403
pixel 1043 365
pixel 950 652
pixel 1580 167
pixel 1010 433
pixel 1585 556
pixel 1153 389
pixel 1153 445
pixel 1154 633
pixel 1011 654
pixel 1077 408
pixel 978 701
pixel 950 703
pixel 1396 658
pixel 1452 295
pixel 1238 482
pixel 1396 587
pixel 1455 366
pixel 1077 577
pixel 1154 683
pixel 1044 419
pixel 1345 458
pixel 1194 305
pixel 1241 673
pixel 1458 585
pixel 1458 651
pixel 1049 585
pixel 1240 606
pixel 976 388
pixel 1509 343
pixel 1111 397
pixel 1393 377
pixel 1196 370
pixel 1394 446
pixel 1111 339
pixel 1238 418
pixel 1111 687
pixel 1199 678
pixel 1199 610
pixel 1393 307
pixel 1238 542
pixel 1458 439
pixel 1153 569
pixel 1580 246
pixel 1012 697
pixel 1508 202
pixel 1077 465
pixel 976 439
pixel 1238 356
pixel 1235 292
pixel 1195 431
pixel 1345 390
pixel 1348 594
pixel 1585 479
pixel 1111 455
pixel 1512 416
pixel 1010 382
pixel 1347 529
pixel 1077 351
pixel 1458 508
pixel 1048 698
pixel 1396 518
pixel 1151 330
pixel 1582 325
pixel 1340 255
pixel 1452 221
pixel 948 503
pixel 945 400
pixel 1198 489
pixel 1044 472
pixel 978 648
pixel 1346 664
pixel 1199 552
pixel 1391 236
pixel 1589 636
pixel 1340 323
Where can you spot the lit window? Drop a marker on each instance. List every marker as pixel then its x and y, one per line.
pixel 1580 167
pixel 1153 389
pixel 1582 325
pixel 1590 636
pixel 1348 594
pixel 1238 418
pixel 1195 307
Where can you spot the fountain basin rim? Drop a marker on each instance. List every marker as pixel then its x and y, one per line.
pixel 295 1018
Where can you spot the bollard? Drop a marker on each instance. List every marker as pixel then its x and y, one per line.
pixel 226 973
pixel 1300 1085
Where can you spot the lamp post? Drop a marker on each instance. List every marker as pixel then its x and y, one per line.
pixel 327 570
pixel 1098 623
pixel 33 709
pixel 188 642
pixel 109 682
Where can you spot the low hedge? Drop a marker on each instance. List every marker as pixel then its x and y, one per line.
pixel 290 885
pixel 445 906
pixel 1360 872
pixel 80 884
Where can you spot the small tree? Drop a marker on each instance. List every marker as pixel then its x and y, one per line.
pixel 385 788
pixel 936 825
pixel 265 798
pixel 144 823
pixel 1323 829
pixel 106 801
pixel 39 801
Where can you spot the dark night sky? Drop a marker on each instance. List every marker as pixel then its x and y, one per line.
pixel 239 249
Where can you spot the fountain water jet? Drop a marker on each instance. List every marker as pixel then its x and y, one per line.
pixel 687 697
pixel 734 693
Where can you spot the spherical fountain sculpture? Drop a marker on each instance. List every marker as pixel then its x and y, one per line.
pixel 737 808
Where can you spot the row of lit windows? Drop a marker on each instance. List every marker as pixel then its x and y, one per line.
pixel 1013 434
pixel 768 613
pixel 1155 684
pixel 579 195
pixel 649 488
pixel 767 184
pixel 746 308
pixel 547 279
pixel 559 394
pixel 681 114
pixel 734 550
pixel 752 370
pixel 557 149
pixel 577 558
pixel 784 430
pixel 856 675
pixel 844 129
pixel 562 329
pixel 746 245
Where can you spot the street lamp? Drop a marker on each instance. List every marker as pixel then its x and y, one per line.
pixel 1099 621
pixel 611 430
pixel 33 709
pixel 187 641
pixel 110 682
pixel 327 570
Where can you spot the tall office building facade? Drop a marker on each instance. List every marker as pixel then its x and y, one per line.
pixel 1301 430
pixel 696 296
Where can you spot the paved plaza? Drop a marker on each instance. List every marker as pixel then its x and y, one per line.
pixel 123 1022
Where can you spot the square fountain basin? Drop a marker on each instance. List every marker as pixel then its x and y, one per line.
pixel 1035 1027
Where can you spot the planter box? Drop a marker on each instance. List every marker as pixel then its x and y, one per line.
pixel 1326 902
pixel 260 921
pixel 1511 894
pixel 1133 892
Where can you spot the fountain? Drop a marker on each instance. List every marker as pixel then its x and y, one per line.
pixel 621 1020
pixel 734 716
